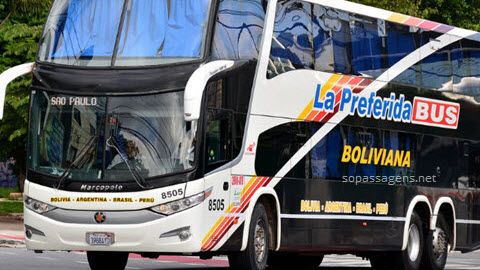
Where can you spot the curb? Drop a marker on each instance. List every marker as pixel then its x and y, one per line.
pixel 11 217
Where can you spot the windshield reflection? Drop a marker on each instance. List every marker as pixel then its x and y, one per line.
pixel 149 131
pixel 152 135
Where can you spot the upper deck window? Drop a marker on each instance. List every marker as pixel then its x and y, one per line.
pixel 124 32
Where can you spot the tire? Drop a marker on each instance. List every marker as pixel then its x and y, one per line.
pixel 408 259
pixel 436 246
pixel 258 239
pixel 107 260
pixel 294 261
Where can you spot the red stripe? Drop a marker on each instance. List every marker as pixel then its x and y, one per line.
pixel 249 196
pixel 429 25
pixel 245 208
pixel 221 236
pixel 228 222
pixel 244 204
pixel 330 115
pixel 361 86
pixel 320 116
pixel 251 190
pixel 216 235
pixel 12 237
pixel 311 115
pixel 357 90
pixel 412 21
pixel 268 181
pixel 351 85
pixel 343 80
pixel 354 82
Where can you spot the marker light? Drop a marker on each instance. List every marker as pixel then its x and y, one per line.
pixel 37 206
pixel 179 205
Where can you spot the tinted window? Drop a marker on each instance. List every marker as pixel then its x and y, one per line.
pixel 226 122
pixel 368 47
pixel 219 143
pixel 402 40
pixel 329 158
pixel 277 145
pixel 239 29
pixel 466 68
pixel 292 45
pixel 332 41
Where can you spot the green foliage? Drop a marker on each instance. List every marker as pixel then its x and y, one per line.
pixel 18 45
pixel 460 13
pixel 5 192
pixel 33 8
pixel 11 208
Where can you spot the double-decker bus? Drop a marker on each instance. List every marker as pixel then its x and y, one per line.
pixel 274 132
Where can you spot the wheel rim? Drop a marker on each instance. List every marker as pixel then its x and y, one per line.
pixel 413 242
pixel 439 243
pixel 260 241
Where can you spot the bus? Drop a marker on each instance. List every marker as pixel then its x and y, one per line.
pixel 273 132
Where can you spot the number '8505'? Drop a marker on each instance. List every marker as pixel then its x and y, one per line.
pixel 216 205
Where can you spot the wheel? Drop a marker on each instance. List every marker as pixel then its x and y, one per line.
pixel 107 260
pixel 412 255
pixel 294 261
pixel 408 259
pixel 254 257
pixel 436 246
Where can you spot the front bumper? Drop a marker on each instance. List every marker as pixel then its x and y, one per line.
pixel 141 237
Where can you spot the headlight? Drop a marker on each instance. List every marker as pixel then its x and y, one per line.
pixel 37 206
pixel 180 205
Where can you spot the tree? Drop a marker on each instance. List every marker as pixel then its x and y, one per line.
pixel 33 8
pixel 460 13
pixel 19 37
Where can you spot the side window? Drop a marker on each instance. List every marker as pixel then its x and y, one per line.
pixel 238 130
pixel 332 40
pixel 402 40
pixel 218 139
pixel 368 47
pixel 357 151
pixel 308 36
pixel 466 68
pixel 277 146
pixel 292 45
pixel 225 123
pixel 239 29
pixel 437 68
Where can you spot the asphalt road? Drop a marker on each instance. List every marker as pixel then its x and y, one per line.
pixel 20 259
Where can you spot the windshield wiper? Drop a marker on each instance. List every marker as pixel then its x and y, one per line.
pixel 81 156
pixel 141 182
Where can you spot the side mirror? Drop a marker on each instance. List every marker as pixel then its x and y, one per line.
pixel 7 77
pixel 196 86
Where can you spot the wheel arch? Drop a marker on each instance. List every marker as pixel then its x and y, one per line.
pixel 446 207
pixel 269 196
pixel 421 204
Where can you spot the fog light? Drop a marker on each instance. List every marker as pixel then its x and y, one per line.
pixel 28 234
pixel 184 235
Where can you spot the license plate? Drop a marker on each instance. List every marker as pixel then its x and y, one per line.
pixel 100 239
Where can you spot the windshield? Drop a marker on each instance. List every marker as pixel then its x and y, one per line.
pixel 124 32
pixel 76 134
